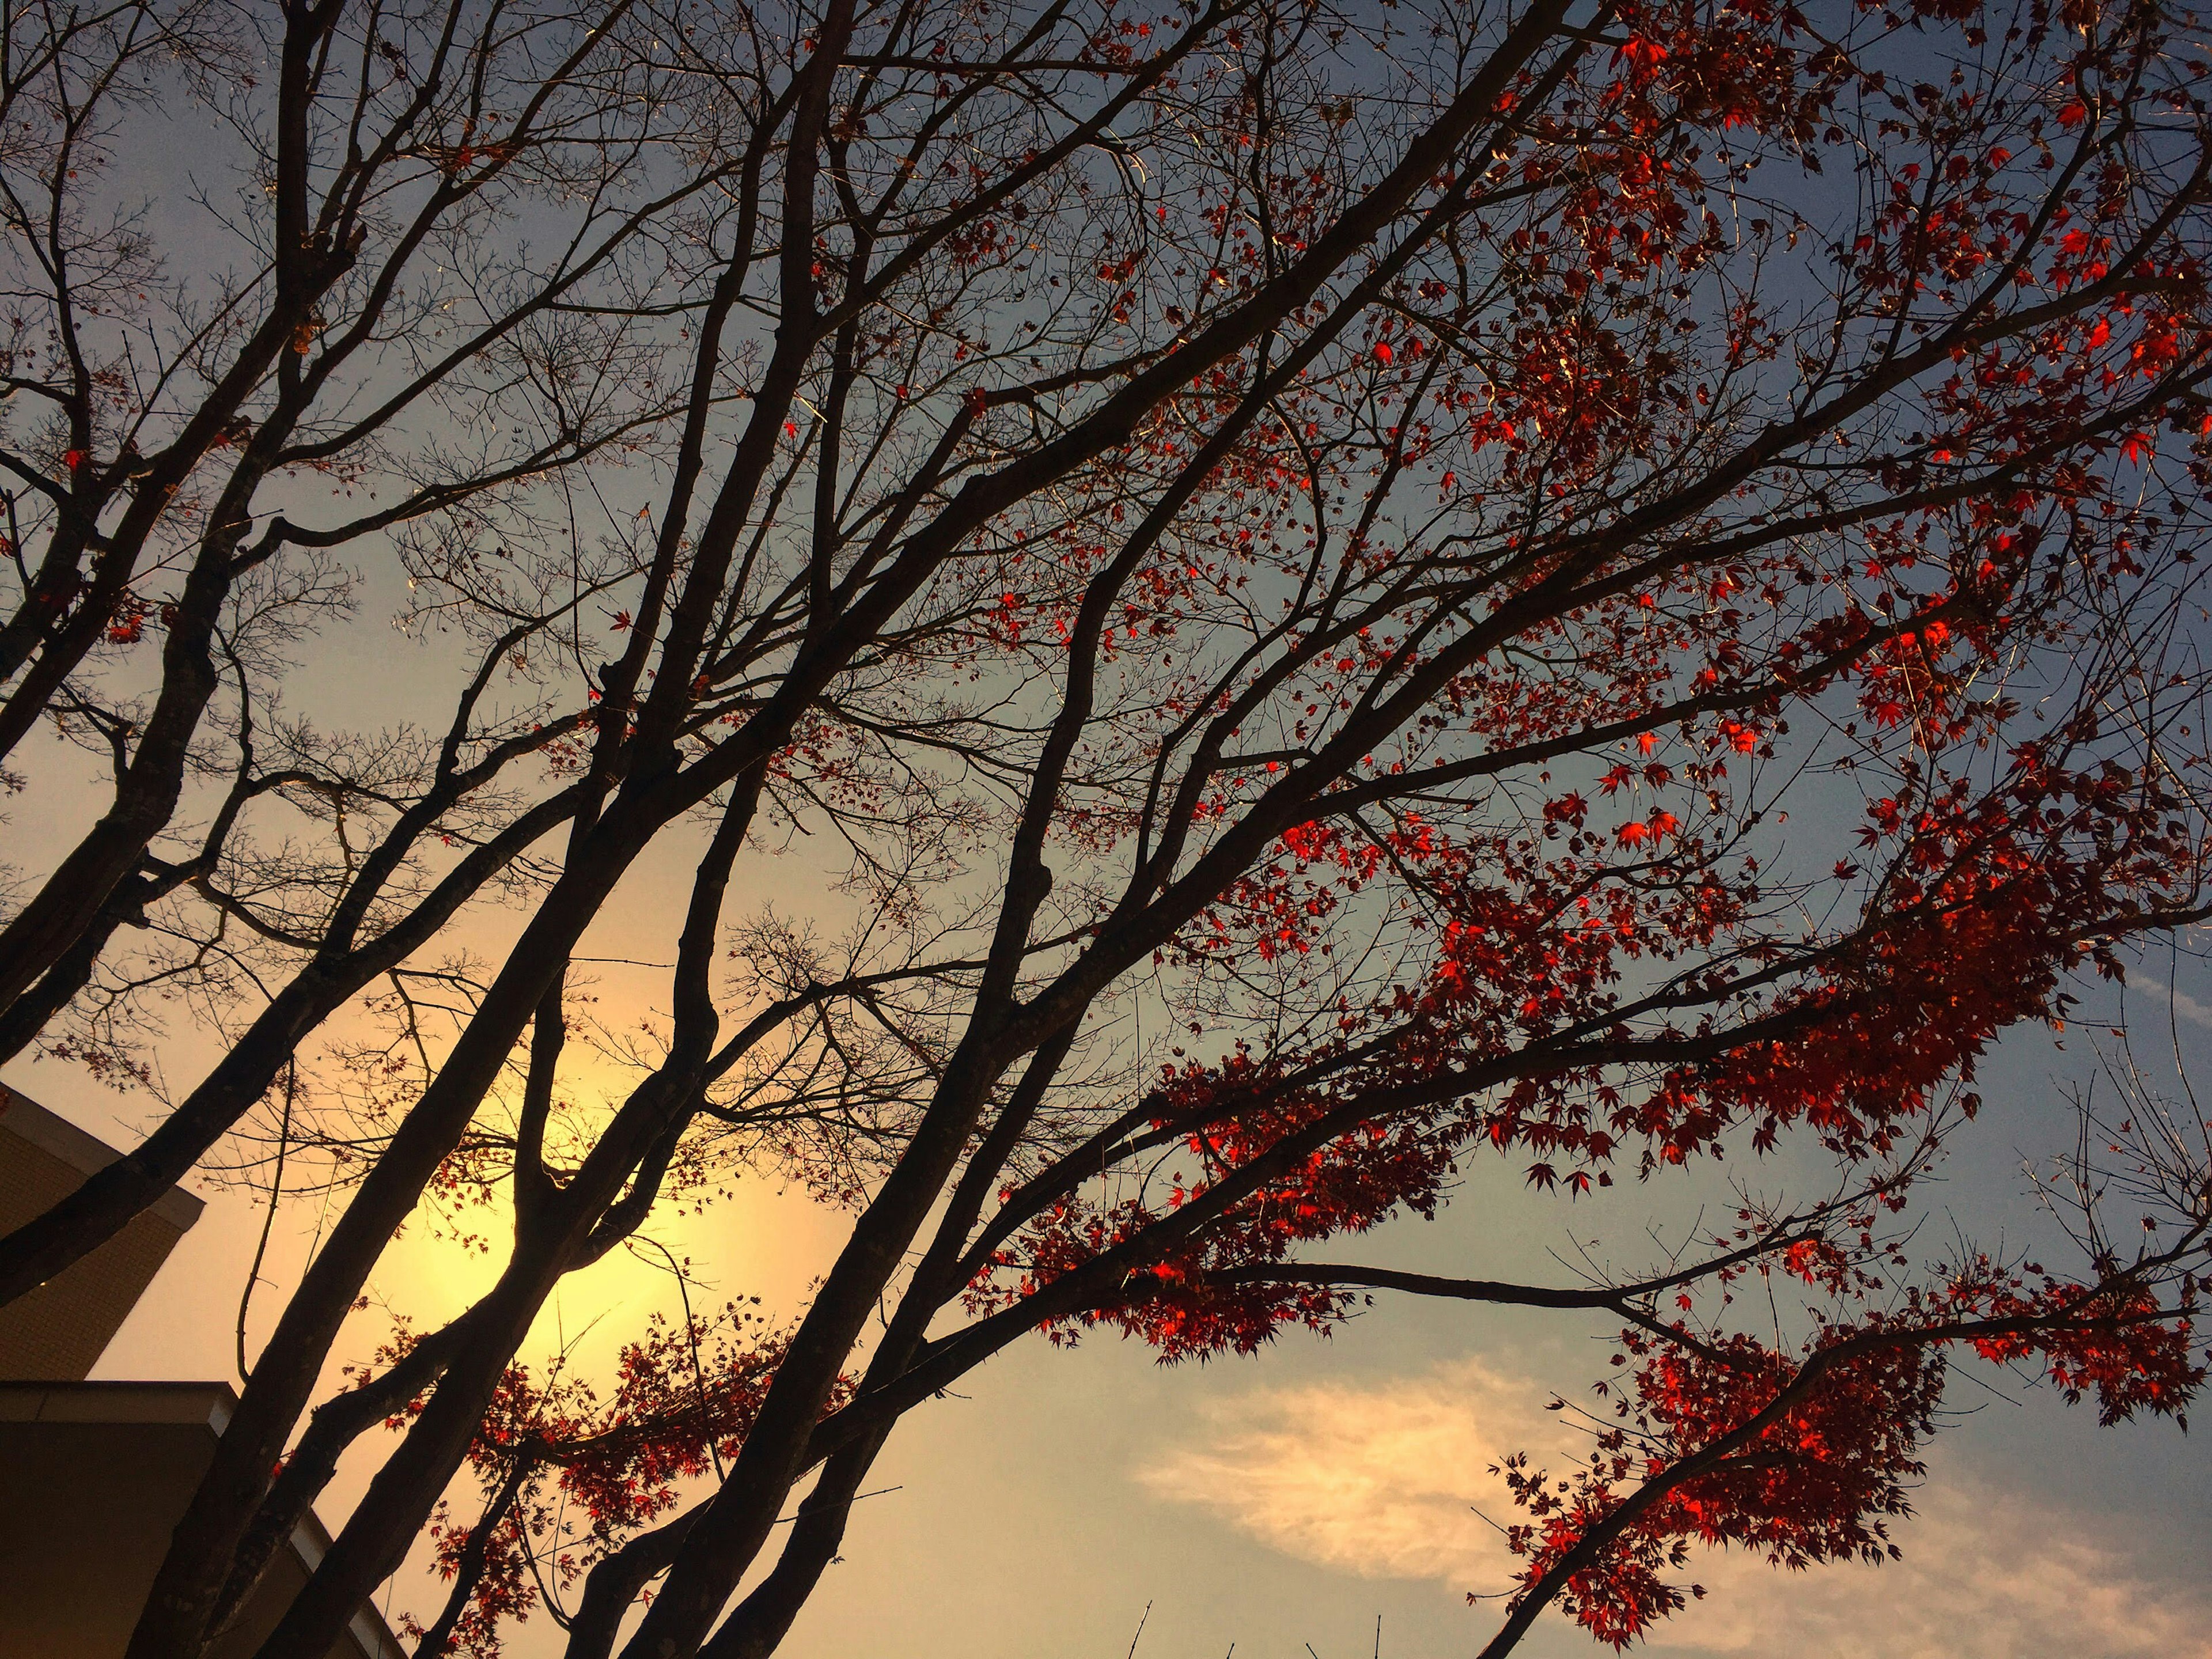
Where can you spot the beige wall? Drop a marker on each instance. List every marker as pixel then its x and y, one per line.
pixel 56 1332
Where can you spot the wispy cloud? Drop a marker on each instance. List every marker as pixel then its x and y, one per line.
pixel 2184 1006
pixel 1380 1481
pixel 1987 1574
pixel 1375 1482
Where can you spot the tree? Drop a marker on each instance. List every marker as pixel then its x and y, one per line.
pixel 1358 590
pixel 379 331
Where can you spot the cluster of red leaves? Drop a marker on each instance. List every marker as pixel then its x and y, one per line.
pixel 1345 1185
pixel 581 1474
pixel 1988 898
pixel 1994 898
pixel 1816 1486
pixel 127 625
pixel 1806 1457
pixel 2118 1340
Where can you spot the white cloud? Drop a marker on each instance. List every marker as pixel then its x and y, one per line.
pixel 2183 1005
pixel 1378 1481
pixel 1987 1574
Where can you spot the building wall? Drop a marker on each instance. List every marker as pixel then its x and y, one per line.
pixel 56 1332
pixel 93 1478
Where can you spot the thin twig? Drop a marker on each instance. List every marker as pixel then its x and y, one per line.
pixel 269 1221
